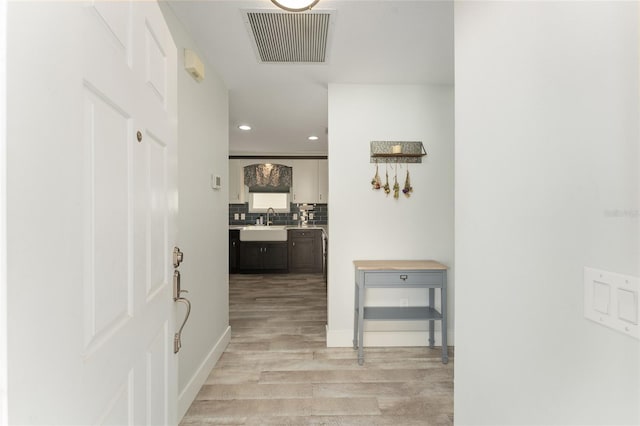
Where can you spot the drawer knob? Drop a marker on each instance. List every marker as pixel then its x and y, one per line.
pixel 404 277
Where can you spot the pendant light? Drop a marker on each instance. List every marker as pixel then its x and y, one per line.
pixel 295 5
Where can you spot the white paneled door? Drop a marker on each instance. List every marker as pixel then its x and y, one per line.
pixel 93 214
pixel 130 207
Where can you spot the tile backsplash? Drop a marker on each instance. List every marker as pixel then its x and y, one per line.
pixel 320 215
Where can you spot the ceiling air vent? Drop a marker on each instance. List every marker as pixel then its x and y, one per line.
pixel 290 37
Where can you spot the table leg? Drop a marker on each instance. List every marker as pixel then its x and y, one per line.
pixel 355 319
pixel 361 324
pixel 431 322
pixel 443 309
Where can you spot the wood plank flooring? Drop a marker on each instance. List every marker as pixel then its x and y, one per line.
pixel 277 369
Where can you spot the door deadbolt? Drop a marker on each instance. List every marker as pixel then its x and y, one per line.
pixel 139 136
pixel 177 257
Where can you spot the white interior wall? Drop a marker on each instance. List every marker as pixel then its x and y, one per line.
pixel 44 256
pixel 3 217
pixel 546 152
pixel 365 224
pixel 203 146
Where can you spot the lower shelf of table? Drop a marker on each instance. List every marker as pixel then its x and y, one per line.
pixel 387 313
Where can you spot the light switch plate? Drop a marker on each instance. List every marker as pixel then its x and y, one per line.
pixel 628 306
pixel 612 300
pixel 601 297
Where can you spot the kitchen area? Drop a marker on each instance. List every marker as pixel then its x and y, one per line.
pixel 278 221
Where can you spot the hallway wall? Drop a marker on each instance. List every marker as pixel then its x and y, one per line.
pixel 547 148
pixel 203 147
pixel 3 213
pixel 366 224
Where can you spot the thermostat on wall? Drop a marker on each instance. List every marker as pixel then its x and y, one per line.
pixel 216 181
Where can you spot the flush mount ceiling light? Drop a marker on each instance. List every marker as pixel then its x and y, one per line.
pixel 244 127
pixel 295 5
pixel 313 138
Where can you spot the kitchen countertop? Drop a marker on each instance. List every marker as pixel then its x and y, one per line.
pixel 324 228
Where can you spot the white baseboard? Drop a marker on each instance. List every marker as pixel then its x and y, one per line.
pixel 344 338
pixel 339 338
pixel 188 394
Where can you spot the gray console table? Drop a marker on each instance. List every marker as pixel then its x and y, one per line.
pixel 426 274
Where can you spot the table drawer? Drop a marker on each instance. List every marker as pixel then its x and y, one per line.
pixel 404 278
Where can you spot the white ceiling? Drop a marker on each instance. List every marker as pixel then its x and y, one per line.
pixel 373 42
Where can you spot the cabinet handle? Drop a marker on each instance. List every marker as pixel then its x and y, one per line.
pixel 404 277
pixel 293 244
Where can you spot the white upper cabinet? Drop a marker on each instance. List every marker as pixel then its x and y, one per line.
pixel 236 181
pixel 323 181
pixel 305 181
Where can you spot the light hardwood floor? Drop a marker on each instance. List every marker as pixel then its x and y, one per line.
pixel 277 369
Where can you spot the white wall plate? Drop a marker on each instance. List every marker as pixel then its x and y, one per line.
pixel 612 300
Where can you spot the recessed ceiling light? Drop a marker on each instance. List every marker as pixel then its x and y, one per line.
pixel 313 138
pixel 244 127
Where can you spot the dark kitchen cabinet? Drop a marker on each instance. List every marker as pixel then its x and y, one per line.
pixel 234 250
pixel 263 256
pixel 305 250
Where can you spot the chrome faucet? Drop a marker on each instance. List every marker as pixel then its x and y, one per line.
pixel 274 212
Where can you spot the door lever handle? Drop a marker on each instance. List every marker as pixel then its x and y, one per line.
pixel 177 338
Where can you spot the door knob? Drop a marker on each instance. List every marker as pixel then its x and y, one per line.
pixel 177 257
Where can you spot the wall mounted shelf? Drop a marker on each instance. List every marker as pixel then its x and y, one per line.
pixel 397 152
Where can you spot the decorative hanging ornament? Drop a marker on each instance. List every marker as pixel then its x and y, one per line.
pixel 375 182
pixel 396 187
pixel 408 189
pixel 387 188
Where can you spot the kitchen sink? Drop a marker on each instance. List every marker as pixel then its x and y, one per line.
pixel 263 233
